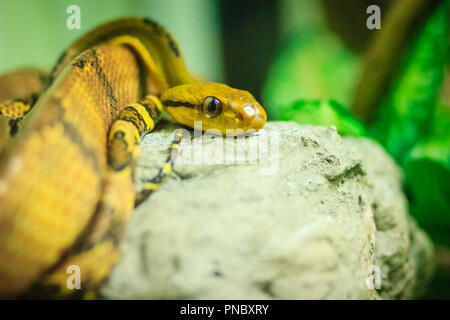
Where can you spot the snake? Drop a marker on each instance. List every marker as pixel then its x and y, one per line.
pixel 69 143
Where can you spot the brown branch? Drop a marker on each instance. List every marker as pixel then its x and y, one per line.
pixel 383 55
pixel 442 257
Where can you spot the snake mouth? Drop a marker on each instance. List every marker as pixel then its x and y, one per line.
pixel 257 123
pixel 257 116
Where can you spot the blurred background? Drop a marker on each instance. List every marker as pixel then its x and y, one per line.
pixel 307 61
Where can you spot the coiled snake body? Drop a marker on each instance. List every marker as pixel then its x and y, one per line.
pixel 67 159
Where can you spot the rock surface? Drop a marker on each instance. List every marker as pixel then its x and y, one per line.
pixel 305 215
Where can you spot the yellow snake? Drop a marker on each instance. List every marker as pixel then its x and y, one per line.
pixel 68 150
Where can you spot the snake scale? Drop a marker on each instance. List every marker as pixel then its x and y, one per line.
pixel 69 144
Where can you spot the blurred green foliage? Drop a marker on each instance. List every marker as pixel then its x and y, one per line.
pixel 313 72
pixel 415 128
pixel 406 113
pixel 324 113
pixel 309 61
pixel 427 173
pixel 34 33
pixel 313 66
pixel 299 69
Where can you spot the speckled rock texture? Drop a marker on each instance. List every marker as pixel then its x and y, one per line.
pixel 293 212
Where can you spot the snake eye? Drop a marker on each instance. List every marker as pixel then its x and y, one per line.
pixel 212 107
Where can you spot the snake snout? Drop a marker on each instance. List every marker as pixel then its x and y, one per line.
pixel 252 115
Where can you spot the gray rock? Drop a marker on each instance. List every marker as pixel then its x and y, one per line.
pixel 402 251
pixel 324 218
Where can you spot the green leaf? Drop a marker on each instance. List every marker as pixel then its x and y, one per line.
pixel 324 113
pixel 304 69
pixel 427 173
pixel 405 115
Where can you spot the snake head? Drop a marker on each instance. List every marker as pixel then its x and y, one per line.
pixel 217 106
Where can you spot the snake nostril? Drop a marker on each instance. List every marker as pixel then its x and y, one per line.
pixel 250 111
pixel 240 117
